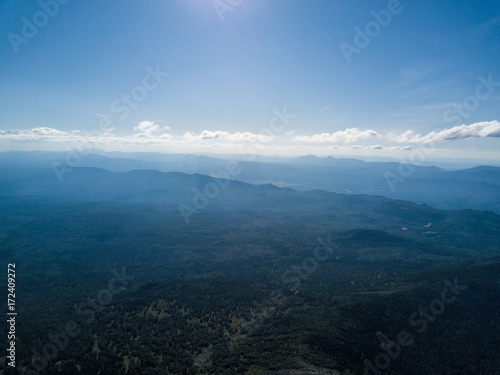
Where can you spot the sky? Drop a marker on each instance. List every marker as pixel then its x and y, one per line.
pixel 405 79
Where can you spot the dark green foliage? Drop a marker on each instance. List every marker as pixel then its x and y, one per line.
pixel 211 297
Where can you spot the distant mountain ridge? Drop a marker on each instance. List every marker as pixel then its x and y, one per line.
pixel 190 196
pixel 474 188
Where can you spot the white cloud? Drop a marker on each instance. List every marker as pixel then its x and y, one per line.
pixel 375 147
pixel 47 131
pixel 477 130
pixel 206 134
pixel 232 137
pixel 150 136
pixel 149 127
pixel 150 133
pixel 34 134
pixel 346 136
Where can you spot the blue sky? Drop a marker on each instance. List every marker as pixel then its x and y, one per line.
pixel 424 75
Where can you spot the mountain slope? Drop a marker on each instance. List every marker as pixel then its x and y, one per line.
pixel 477 188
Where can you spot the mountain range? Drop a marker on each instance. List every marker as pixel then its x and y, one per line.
pixel 475 188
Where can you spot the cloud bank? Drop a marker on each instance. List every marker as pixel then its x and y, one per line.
pixel 151 134
pixel 477 130
pixel 346 136
pixel 222 135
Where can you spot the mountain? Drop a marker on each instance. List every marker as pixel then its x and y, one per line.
pixel 154 272
pixel 192 195
pixel 476 188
